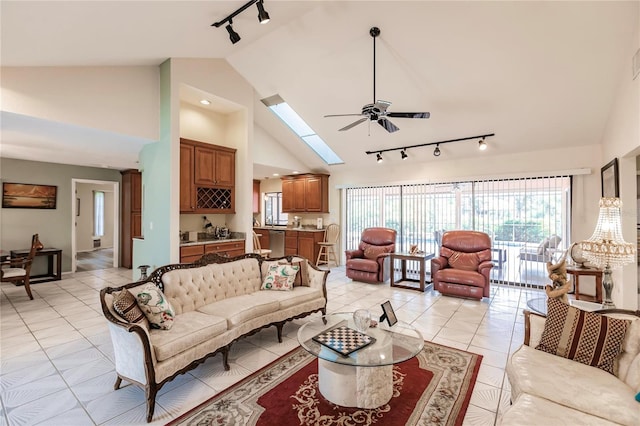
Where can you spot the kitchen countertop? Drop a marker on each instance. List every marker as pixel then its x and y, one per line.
pixel 289 228
pixel 211 241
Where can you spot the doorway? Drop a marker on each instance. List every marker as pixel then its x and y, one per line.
pixel 95 236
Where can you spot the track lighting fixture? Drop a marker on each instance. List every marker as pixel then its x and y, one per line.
pixel 233 36
pixel 263 18
pixel 263 15
pixel 436 151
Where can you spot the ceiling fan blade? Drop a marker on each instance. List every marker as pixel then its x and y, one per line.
pixel 409 114
pixel 355 123
pixel 342 115
pixel 389 126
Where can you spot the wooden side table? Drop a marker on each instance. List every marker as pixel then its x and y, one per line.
pixel 576 272
pixel 54 270
pixel 422 261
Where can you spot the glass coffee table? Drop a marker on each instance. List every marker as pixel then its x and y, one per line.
pixel 364 378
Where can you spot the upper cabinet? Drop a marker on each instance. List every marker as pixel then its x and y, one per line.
pixel 207 178
pixel 308 193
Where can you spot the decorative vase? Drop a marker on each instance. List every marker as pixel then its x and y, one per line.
pixel 37 243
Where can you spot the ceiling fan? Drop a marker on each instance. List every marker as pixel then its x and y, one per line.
pixel 377 111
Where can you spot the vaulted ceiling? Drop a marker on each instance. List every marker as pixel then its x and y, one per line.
pixel 538 74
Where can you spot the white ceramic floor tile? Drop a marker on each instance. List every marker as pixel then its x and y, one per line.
pixel 455 335
pixel 219 379
pixel 491 375
pixel 492 358
pixel 485 396
pixel 25 361
pixel 19 395
pixel 26 375
pixel 87 371
pixel 495 343
pixel 73 417
pixel 476 416
pixel 65 349
pixel 115 403
pixel 138 416
pixel 185 397
pixel 40 410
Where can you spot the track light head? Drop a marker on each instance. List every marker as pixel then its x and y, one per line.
pixel 263 15
pixel 233 36
pixel 436 152
pixel 482 145
pixel 403 154
pixel 379 157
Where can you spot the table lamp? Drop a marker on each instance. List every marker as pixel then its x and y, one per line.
pixel 606 248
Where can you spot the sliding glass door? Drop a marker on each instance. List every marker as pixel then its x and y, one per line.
pixel 527 219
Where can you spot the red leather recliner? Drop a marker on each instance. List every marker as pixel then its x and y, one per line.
pixel 370 262
pixel 464 264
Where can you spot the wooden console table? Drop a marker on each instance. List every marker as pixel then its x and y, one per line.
pixel 422 261
pixel 576 273
pixel 54 271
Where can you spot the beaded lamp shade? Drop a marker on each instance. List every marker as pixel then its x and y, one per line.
pixel 607 246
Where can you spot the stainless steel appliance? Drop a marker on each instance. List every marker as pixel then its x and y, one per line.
pixel 276 243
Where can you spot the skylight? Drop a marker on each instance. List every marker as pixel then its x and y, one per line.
pixel 291 118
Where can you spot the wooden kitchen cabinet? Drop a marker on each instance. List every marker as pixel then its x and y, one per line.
pixel 189 254
pixel 287 195
pixel 229 249
pixel 131 215
pixel 305 193
pixel 214 165
pixel 290 243
pixel 308 244
pixel 303 243
pixel 207 178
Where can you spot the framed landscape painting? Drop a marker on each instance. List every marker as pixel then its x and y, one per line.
pixel 28 196
pixel 609 178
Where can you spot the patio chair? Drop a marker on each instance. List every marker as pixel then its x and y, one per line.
pixel 545 252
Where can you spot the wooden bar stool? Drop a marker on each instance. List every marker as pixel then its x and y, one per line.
pixel 327 251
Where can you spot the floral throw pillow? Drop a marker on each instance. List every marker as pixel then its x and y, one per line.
pixel 156 307
pixel 280 277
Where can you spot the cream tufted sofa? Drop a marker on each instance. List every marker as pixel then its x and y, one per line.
pixel 550 390
pixel 216 300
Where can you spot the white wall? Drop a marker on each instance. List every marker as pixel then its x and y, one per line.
pixel 269 152
pixel 118 99
pixel 621 139
pixel 84 222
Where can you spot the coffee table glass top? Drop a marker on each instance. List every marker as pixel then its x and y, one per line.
pixel 393 344
pixel 539 305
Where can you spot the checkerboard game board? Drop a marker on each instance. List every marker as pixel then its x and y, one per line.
pixel 344 340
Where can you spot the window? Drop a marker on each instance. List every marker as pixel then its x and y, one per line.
pixel 273 209
pixel 98 213
pixel 518 214
pixel 279 107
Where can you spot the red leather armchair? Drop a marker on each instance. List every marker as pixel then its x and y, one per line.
pixel 464 264
pixel 370 262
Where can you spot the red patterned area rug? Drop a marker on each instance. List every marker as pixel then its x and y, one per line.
pixel 432 388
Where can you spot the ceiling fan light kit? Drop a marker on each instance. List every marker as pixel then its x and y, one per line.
pixel 482 144
pixel 263 18
pixel 377 110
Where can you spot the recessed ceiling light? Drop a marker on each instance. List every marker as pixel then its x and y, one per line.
pixel 205 102
pixel 276 174
pixel 295 172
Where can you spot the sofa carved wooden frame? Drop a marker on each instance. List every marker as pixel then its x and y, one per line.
pixel 152 388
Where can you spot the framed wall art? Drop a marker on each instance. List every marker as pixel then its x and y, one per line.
pixel 28 196
pixel 609 179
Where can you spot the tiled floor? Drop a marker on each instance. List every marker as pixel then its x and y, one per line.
pixel 56 353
